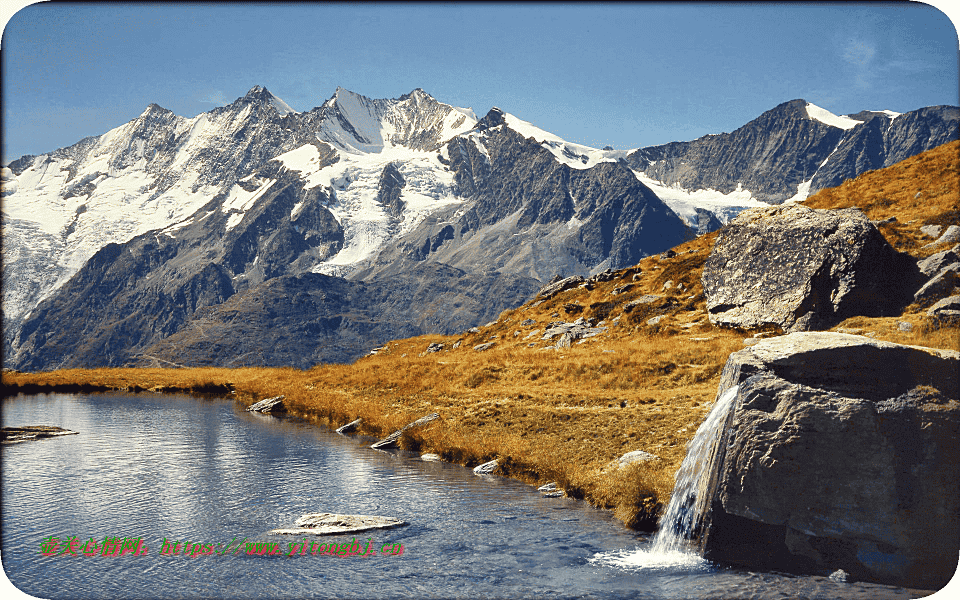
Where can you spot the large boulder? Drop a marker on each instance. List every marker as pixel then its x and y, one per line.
pixel 841 452
pixel 801 268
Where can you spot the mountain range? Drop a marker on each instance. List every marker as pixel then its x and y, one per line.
pixel 254 234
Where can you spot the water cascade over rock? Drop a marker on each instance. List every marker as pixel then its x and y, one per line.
pixel 686 517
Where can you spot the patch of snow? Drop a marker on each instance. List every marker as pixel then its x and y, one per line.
pixel 468 112
pixel 280 106
pixel 825 116
pixel 574 155
pixel 686 202
pixel 429 185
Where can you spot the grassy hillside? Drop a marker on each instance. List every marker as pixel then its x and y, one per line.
pixel 564 414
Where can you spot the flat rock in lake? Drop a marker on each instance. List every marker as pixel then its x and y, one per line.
pixel 269 405
pixel 12 435
pixel 333 524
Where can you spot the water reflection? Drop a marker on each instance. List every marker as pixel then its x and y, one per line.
pixel 185 469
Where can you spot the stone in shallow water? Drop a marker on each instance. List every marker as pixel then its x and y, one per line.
pixel 486 468
pixel 348 427
pixel 391 440
pixel 333 524
pixel 269 405
pixel 430 457
pixel 10 435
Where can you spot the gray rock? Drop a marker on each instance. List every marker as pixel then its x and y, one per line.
pixel 430 457
pixel 840 452
pixel 707 221
pixel 840 576
pixel 952 234
pixel 948 303
pixel 391 440
pixel 352 425
pixel 548 487
pixel 486 468
pixel 940 284
pixel 435 347
pixel 654 320
pixel 636 456
pixel 931 230
pixel 334 524
pixel 646 299
pixel 935 263
pixel 269 405
pixel 553 289
pixel 570 332
pixel 801 268
pixel 527 323
pixel 774 153
pixel 482 347
pixel 11 435
pixel 904 326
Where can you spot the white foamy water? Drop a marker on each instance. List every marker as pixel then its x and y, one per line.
pixel 672 546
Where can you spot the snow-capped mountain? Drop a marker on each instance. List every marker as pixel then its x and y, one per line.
pixel 785 154
pixel 159 169
pixel 224 239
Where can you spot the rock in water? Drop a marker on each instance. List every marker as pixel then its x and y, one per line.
pixel 352 425
pixel 486 468
pixel 391 440
pixel 10 435
pixel 333 524
pixel 270 405
pixel 842 452
pixel 802 268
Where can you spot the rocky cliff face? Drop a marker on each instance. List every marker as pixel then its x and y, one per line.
pixel 841 453
pixel 796 144
pixel 529 214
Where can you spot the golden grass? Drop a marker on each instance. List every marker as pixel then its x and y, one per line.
pixel 921 190
pixel 564 415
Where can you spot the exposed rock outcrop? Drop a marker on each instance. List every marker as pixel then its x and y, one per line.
pixel 841 452
pixel 801 268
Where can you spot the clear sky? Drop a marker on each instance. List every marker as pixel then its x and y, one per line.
pixel 624 75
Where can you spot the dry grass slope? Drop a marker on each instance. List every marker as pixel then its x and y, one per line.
pixel 564 414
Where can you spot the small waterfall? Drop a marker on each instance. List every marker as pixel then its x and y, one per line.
pixel 685 517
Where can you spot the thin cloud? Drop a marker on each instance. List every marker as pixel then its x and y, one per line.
pixel 215 98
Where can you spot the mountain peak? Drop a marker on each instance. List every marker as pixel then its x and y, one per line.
pixel 261 95
pixel 493 118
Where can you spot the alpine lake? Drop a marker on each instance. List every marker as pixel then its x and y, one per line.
pixel 160 470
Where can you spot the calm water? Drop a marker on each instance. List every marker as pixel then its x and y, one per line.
pixel 188 469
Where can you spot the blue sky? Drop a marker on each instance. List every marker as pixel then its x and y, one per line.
pixel 624 75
